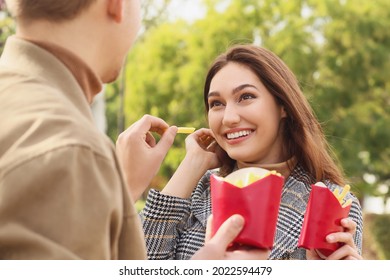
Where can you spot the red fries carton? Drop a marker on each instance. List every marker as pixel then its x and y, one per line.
pixel 254 193
pixel 324 211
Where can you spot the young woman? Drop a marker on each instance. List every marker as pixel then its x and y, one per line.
pixel 258 117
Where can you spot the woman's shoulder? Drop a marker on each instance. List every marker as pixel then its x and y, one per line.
pixel 303 178
pixel 202 189
pixel 301 175
pixel 204 182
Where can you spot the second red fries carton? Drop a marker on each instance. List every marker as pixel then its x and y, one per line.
pixel 323 214
pixel 254 193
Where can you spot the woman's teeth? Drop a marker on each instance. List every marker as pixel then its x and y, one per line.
pixel 238 134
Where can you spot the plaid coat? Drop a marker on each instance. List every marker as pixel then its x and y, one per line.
pixel 175 228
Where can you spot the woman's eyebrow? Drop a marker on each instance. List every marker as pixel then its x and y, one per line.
pixel 234 91
pixel 241 87
pixel 213 93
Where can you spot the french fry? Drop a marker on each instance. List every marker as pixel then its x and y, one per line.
pixel 348 202
pixel 274 173
pixel 336 193
pixel 340 195
pixel 239 183
pixel 344 193
pixel 185 130
pixel 250 178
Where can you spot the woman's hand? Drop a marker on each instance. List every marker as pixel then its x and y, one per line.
pixel 139 153
pixel 201 155
pixel 202 147
pixel 348 251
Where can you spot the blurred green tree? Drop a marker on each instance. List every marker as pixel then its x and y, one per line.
pixel 351 91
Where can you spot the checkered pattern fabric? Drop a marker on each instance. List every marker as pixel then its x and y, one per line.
pixel 175 228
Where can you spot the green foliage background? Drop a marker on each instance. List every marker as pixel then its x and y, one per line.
pixel 379 225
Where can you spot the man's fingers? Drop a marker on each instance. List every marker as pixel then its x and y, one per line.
pixel 166 140
pixel 150 123
pixel 228 231
pixel 150 140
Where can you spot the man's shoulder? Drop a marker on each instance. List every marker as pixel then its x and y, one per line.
pixel 38 120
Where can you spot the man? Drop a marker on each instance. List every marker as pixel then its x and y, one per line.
pixel 65 192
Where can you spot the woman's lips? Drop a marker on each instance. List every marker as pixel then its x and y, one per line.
pixel 237 136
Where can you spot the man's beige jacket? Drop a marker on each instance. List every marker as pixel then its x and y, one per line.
pixel 62 192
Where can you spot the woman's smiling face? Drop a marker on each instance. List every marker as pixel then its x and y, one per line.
pixel 244 117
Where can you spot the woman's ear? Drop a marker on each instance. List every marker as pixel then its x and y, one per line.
pixel 283 113
pixel 115 10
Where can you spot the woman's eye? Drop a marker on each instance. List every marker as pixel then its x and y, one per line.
pixel 246 96
pixel 214 103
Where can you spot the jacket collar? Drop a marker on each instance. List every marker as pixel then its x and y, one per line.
pixel 37 63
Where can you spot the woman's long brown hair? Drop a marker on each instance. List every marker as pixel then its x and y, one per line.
pixel 303 135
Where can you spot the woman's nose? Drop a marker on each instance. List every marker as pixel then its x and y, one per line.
pixel 231 115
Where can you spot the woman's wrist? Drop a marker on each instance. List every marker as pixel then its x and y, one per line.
pixel 199 162
pixel 186 177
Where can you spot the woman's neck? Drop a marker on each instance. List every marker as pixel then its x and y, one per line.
pixel 283 168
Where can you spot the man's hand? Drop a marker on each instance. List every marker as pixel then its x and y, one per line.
pixel 217 247
pixel 139 153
